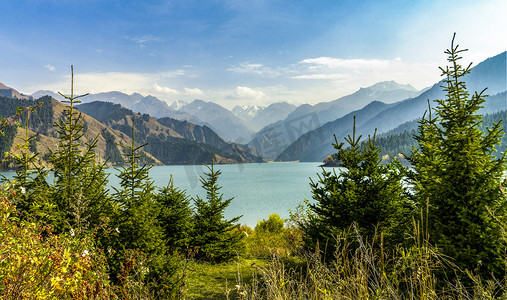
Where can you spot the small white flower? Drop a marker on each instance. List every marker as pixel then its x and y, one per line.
pixel 85 253
pixel 117 230
pixel 72 232
pixel 23 191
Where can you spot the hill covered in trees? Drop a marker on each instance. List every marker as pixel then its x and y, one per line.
pixel 173 142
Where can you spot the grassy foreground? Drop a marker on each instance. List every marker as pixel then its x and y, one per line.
pixel 222 281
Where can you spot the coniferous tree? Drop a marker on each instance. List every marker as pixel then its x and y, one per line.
pixel 364 192
pixel 456 173
pixel 79 191
pixel 213 235
pixel 137 222
pixel 175 216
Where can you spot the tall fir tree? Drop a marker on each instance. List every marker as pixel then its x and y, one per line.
pixel 365 192
pixel 213 235
pixel 138 226
pixel 79 191
pixel 458 176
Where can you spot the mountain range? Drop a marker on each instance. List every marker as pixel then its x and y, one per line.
pixel 316 144
pixel 11 93
pixel 169 141
pixel 259 116
pixel 271 140
pixel 281 131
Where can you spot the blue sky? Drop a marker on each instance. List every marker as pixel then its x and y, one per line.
pixel 239 52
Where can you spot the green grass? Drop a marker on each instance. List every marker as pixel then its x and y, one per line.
pixel 220 281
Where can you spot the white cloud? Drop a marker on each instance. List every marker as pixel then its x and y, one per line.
pixel 248 93
pixel 338 63
pixel 193 91
pixel 257 69
pixel 358 72
pixel 126 82
pixel 50 68
pixel 164 90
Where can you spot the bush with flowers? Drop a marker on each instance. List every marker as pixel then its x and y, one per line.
pixel 37 264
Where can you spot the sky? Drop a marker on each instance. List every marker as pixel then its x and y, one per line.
pixel 239 52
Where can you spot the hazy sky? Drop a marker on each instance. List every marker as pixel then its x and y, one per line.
pixel 239 52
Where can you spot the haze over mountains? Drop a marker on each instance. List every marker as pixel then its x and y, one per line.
pixel 316 144
pixel 283 131
pixel 169 141
pixel 232 126
pixel 273 139
pixel 259 116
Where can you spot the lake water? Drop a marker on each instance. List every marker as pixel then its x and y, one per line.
pixel 258 189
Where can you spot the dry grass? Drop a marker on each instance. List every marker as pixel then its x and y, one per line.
pixel 368 273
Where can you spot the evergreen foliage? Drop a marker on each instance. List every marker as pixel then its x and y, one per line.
pixel 456 173
pixel 213 235
pixel 79 191
pixel 365 192
pixel 6 140
pixel 175 216
pixel 113 155
pixel 42 121
pixel 397 143
pixel 137 223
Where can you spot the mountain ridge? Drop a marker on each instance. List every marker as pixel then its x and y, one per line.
pixel 491 70
pixel 308 117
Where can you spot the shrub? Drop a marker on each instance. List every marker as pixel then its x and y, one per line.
pixel 37 264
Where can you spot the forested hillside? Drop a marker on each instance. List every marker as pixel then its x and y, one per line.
pixel 41 128
pixel 169 140
pixel 112 124
pixel 401 140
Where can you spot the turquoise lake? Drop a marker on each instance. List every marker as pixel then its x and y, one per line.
pixel 258 189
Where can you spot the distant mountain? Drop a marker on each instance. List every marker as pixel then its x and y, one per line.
pixel 275 112
pixel 221 120
pixel 490 73
pixel 176 105
pixel 11 93
pixel 169 140
pixel 51 94
pixel 141 104
pixel 204 134
pixel 307 117
pixel 259 116
pixel 210 114
pixel 203 113
pixel 247 112
pixel 41 127
pixel 152 106
pixel 114 97
pixel 317 144
pixel 386 91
